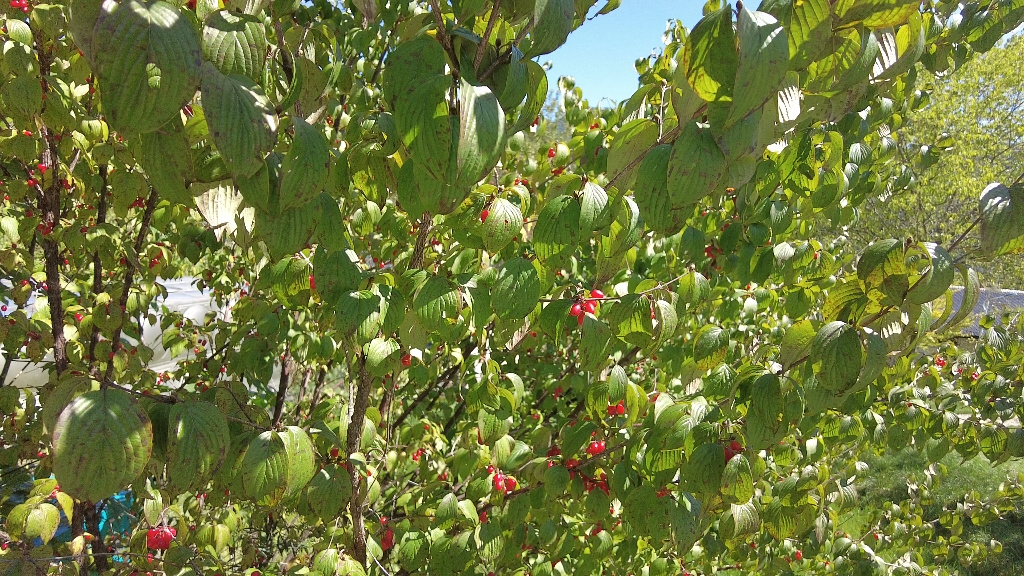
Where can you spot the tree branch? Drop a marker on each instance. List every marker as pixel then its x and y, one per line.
pixel 97 269
pixel 282 388
pixel 482 48
pixel 355 433
pixel 426 223
pixel 129 276
pixel 443 38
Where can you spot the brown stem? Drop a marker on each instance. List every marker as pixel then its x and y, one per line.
pixel 304 386
pixel 49 206
pixel 426 223
pixel 507 55
pixel 355 433
pixel 321 379
pixel 443 38
pixel 482 48
pixel 78 526
pixel 92 523
pixel 129 276
pixel 97 268
pixel 282 388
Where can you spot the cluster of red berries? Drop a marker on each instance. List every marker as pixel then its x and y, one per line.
pixel 21 5
pixel 617 409
pixel 388 541
pixel 417 454
pixel 940 361
pixel 154 261
pixel 160 538
pixel 139 202
pixel 596 447
pixel 522 181
pixel 502 482
pixel 591 484
pixel 587 306
pixel 733 449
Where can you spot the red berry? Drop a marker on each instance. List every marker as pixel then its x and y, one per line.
pixel 483 518
pixel 484 214
pixel 388 542
pixel 595 448
pixel 558 392
pixel 799 555
pixel 334 452
pixel 78 317
pixel 312 283
pixel 590 306
pixel 576 309
pixel 595 293
pixel 510 484
pixel 490 469
pixel 498 482
pixel 551 152
pixel 407 360
pixel 620 408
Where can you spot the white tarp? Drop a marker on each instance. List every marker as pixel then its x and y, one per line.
pixel 182 297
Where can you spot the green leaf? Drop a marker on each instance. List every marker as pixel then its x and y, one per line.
pixel 796 344
pixel 808 25
pixel 481 134
pixel 241 120
pixel 937 279
pixel 235 43
pixel 874 13
pixel 651 191
pixel 628 146
pixel 437 304
pixel 702 473
pixel 358 313
pixel 301 459
pixel 557 233
pixel 882 266
pixel 516 290
pixel 504 222
pixel 168 164
pixel 737 479
pixel 537 93
pixel 556 479
pixel 836 356
pixel 763 62
pixel 304 169
pixel 288 232
pixel 264 470
pixel 765 422
pixel 101 443
pixel 739 520
pixel 971 293
pixel 595 209
pixel 552 22
pixel 146 58
pixel 329 491
pixel 1002 219
pixel 710 347
pixel 594 339
pixel 696 166
pixel 710 61
pixel 630 315
pixel 335 273
pixel 382 356
pixel 42 522
pixel 197 444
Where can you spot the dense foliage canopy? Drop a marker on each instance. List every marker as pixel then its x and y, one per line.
pixel 443 350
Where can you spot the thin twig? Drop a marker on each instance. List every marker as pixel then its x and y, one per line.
pixel 443 38
pixel 482 48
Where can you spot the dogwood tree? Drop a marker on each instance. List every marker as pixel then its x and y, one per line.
pixel 644 350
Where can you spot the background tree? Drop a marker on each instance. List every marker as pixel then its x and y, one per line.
pixel 963 138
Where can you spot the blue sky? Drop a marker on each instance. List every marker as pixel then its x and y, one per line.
pixel 600 54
